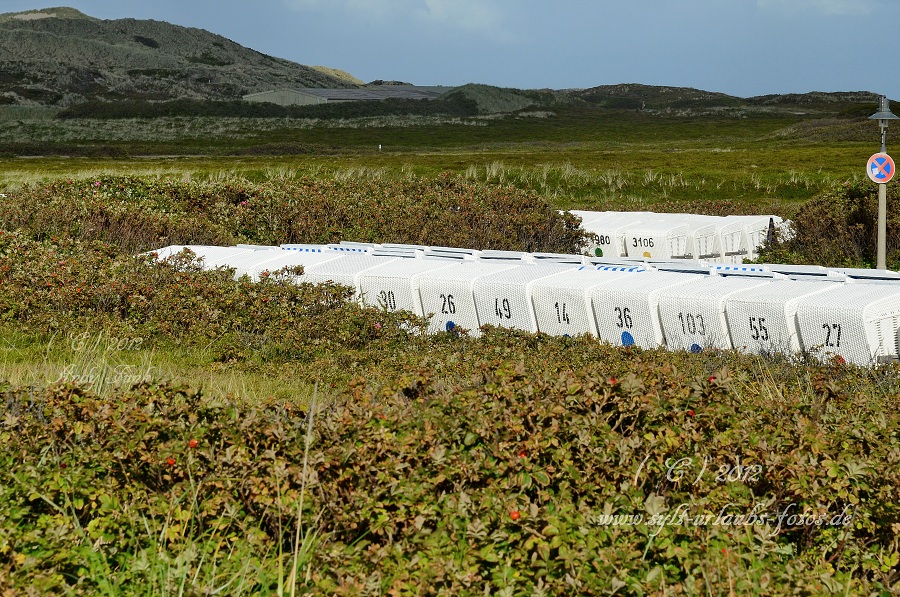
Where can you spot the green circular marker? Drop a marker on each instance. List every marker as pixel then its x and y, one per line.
pixel 598 252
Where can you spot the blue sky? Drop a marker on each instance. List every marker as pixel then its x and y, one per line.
pixel 740 47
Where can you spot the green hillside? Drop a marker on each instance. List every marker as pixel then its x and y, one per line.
pixel 60 57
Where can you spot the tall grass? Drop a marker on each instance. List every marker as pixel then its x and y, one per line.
pixel 566 185
pixel 570 186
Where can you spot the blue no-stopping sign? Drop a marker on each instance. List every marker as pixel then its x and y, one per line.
pixel 880 167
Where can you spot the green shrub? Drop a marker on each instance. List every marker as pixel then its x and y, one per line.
pixel 68 285
pixel 839 228
pixel 140 214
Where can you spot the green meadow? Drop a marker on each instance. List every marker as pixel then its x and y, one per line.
pixel 576 157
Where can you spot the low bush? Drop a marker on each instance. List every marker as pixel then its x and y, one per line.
pixel 140 214
pixel 57 287
pixel 839 228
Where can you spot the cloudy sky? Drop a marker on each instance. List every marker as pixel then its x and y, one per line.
pixel 740 47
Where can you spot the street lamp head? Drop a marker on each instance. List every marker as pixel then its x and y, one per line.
pixel 884 113
pixel 883 117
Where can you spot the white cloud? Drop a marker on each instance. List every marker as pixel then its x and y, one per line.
pixel 474 15
pixel 827 7
pixel 482 17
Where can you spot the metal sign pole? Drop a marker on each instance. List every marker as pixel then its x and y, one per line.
pixel 881 170
pixel 882 226
pixel 881 257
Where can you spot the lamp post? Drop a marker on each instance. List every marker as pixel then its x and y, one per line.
pixel 883 115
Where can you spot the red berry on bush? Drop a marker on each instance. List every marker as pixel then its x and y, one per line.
pixel 515 514
pixel 193 443
pixel 711 379
pixel 171 461
pixel 523 454
pixel 690 413
pixel 613 381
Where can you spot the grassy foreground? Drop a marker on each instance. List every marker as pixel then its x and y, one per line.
pixel 167 430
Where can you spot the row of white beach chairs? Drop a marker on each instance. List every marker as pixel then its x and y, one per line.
pixel 726 239
pixel 682 305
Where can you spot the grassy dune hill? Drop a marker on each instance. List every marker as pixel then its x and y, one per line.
pixel 59 56
pixel 686 101
pixel 494 100
pixel 817 116
pixel 650 97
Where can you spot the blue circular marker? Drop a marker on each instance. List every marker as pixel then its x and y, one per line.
pixel 696 348
pixel 627 339
pixel 450 326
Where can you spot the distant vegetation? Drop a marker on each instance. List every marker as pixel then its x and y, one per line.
pixel 453 105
